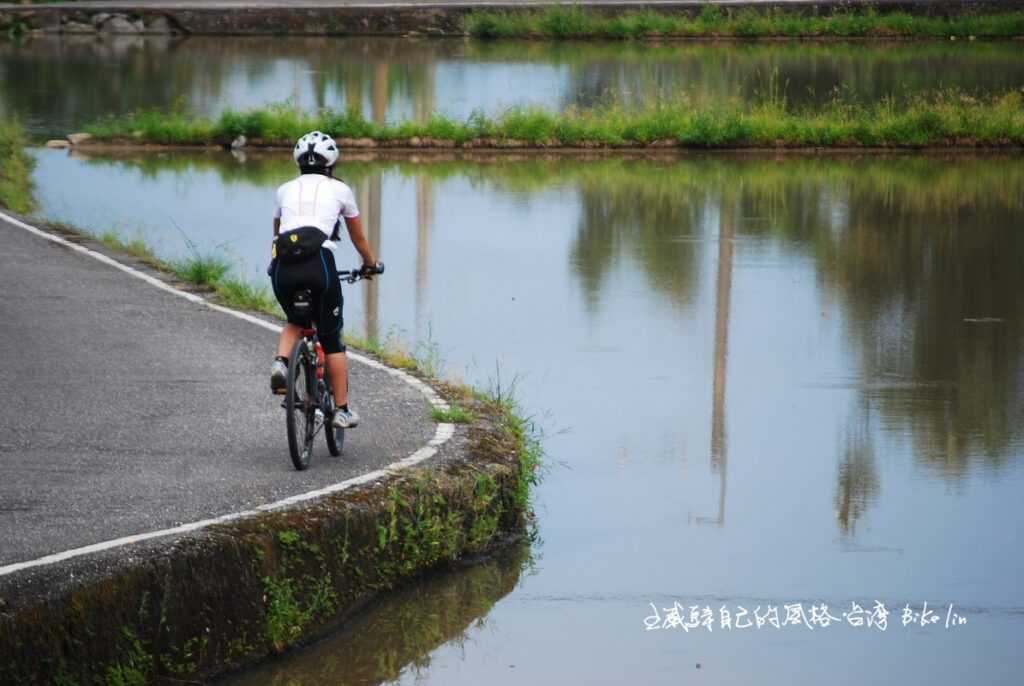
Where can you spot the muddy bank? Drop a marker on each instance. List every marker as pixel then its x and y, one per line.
pixel 341 18
pixel 512 149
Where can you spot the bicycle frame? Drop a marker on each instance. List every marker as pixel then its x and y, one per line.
pixel 314 403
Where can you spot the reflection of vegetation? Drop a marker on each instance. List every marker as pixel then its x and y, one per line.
pixel 561 22
pixel 15 168
pixel 857 484
pixel 48 82
pixel 637 74
pixel 52 81
pixel 939 119
pixel 648 221
pixel 909 247
pixel 402 630
pixel 912 281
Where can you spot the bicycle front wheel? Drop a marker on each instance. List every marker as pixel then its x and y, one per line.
pixel 300 405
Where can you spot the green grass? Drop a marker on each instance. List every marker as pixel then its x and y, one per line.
pixel 202 270
pixel 208 271
pixel 939 119
pixel 574 22
pixel 15 168
pixel 455 414
pixel 243 295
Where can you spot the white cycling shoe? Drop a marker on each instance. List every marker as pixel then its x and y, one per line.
pixel 278 377
pixel 345 419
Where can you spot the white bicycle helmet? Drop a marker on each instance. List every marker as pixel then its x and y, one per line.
pixel 315 149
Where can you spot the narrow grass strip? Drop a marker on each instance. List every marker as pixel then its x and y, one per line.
pixel 15 168
pixel 574 22
pixel 943 119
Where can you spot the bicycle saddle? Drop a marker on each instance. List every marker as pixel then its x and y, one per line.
pixel 302 302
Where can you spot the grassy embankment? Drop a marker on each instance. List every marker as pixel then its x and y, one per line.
pixel 15 168
pixel 940 119
pixel 579 23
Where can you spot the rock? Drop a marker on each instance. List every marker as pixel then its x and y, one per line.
pixel 79 138
pixel 238 143
pixel 159 25
pixel 139 26
pixel 98 19
pixel 58 144
pixel 52 26
pixel 119 24
pixel 78 27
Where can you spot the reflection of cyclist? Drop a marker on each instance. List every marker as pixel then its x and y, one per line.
pixel 309 212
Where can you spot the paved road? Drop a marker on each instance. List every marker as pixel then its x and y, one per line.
pixel 128 409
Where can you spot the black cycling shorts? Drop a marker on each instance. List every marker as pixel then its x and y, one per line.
pixel 319 276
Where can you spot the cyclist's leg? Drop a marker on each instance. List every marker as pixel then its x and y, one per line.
pixel 329 327
pixel 286 279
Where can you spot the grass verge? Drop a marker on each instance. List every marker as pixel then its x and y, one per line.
pixel 208 272
pixel 455 414
pixel 574 22
pixel 15 168
pixel 940 119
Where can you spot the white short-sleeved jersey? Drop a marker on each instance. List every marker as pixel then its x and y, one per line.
pixel 314 200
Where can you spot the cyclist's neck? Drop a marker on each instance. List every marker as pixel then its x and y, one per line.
pixel 315 171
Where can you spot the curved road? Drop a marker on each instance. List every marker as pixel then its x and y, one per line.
pixel 129 409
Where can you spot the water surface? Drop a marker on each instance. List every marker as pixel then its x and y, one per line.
pixel 765 381
pixel 59 84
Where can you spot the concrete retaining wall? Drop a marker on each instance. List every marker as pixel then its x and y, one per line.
pixel 234 594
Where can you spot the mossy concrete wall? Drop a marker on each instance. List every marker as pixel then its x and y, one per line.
pixel 318 18
pixel 234 594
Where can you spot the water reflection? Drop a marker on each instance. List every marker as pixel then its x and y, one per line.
pixel 397 635
pixel 58 84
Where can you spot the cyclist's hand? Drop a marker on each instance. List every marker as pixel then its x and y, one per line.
pixel 368 270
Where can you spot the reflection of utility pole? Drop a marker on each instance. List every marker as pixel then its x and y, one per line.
pixel 370 198
pixel 424 218
pixel 379 92
pixel 723 296
pixel 423 93
pixel 378 104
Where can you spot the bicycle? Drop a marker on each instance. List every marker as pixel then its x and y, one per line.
pixel 309 401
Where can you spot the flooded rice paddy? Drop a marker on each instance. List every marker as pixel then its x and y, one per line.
pixel 765 381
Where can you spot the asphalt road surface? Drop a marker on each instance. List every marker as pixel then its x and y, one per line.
pixel 128 409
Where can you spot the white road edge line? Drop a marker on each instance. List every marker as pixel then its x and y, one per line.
pixel 444 430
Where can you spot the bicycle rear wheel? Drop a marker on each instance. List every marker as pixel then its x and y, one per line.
pixel 335 438
pixel 300 405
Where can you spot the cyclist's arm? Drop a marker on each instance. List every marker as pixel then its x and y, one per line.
pixel 277 226
pixel 355 232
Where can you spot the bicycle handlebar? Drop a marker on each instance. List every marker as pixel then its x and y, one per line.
pixel 364 272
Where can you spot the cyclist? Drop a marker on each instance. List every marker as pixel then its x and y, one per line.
pixel 309 212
